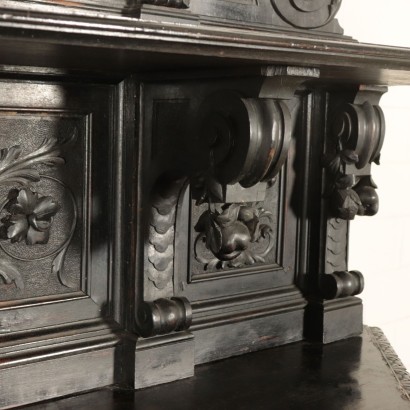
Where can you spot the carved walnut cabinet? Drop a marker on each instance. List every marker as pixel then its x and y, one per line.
pixel 177 180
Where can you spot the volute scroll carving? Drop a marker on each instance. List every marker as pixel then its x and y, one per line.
pixel 248 137
pixel 307 13
pixel 358 132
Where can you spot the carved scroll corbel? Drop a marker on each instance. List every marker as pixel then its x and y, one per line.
pixel 358 132
pixel 355 140
pixel 248 141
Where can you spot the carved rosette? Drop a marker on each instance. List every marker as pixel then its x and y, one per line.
pixel 307 14
pixel 29 218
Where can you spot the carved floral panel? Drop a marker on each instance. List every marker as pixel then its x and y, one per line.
pixel 41 189
pixel 228 238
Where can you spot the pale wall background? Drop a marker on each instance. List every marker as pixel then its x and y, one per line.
pixel 380 245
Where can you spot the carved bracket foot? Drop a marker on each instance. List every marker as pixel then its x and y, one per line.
pixel 342 284
pixel 164 316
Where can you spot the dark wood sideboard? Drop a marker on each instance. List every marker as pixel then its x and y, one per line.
pixel 177 180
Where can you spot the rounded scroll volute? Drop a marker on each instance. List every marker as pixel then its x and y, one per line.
pixel 307 13
pixel 360 128
pixel 248 138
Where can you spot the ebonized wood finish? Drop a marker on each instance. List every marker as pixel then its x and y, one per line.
pixel 359 373
pixel 177 182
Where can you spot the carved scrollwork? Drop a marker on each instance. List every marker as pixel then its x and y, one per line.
pixel 307 13
pixel 248 138
pixel 358 130
pixel 230 233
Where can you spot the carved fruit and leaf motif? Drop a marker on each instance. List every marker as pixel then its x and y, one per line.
pixel 229 234
pixel 29 214
pixel 350 195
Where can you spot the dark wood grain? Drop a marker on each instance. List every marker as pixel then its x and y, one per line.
pixel 220 148
pixel 37 40
pixel 350 374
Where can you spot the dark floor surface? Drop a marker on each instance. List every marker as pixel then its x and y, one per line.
pixel 349 374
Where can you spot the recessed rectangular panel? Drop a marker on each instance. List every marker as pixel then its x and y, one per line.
pixel 55 207
pixel 250 225
pixel 42 180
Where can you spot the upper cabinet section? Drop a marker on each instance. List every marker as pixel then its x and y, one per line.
pixel 312 15
pixel 125 37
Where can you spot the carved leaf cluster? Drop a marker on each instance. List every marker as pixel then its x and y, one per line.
pixel 11 274
pixel 21 170
pixel 160 246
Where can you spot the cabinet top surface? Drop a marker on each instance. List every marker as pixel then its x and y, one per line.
pixel 124 45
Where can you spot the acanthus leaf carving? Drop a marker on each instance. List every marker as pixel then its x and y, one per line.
pixel 20 170
pixel 11 274
pixel 30 214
